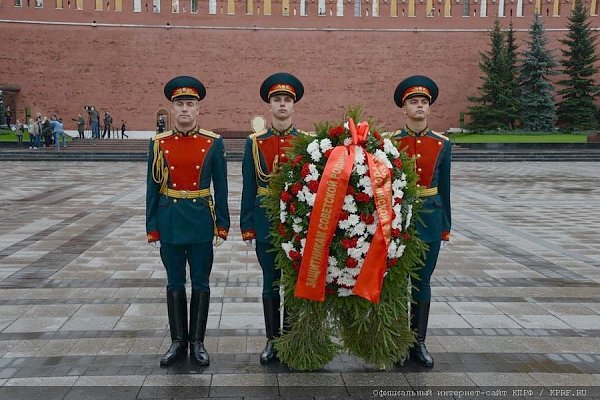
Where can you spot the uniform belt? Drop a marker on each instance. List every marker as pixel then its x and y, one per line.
pixel 263 191
pixel 427 192
pixel 186 194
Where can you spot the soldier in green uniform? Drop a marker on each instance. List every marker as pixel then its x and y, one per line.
pixel 183 219
pixel 432 154
pixel 264 151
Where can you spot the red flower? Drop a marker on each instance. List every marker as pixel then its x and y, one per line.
pixel 367 218
pixel 350 190
pixel 295 255
pixel 329 290
pixel 378 137
pixel 398 200
pixel 297 237
pixel 286 197
pixel 328 152
pixel 392 262
pixel 313 186
pixel 305 170
pixel 293 208
pixel 337 131
pixel 282 231
pixel 297 160
pixel 362 197
pixel 351 262
pixel 397 162
pixel 396 232
pixel 406 236
pixel 296 266
pixel 344 215
pixel 349 243
pixel 296 187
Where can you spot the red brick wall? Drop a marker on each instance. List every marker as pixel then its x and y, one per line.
pixel 60 68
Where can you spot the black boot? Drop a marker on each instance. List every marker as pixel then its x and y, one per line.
pixel 271 309
pixel 419 315
pixel 177 309
pixel 198 318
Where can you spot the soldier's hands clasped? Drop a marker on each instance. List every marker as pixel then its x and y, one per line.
pixel 250 243
pixel 218 241
pixel 155 244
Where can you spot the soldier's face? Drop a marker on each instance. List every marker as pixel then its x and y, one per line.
pixel 281 106
pixel 416 108
pixel 185 112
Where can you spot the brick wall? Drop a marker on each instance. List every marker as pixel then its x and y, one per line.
pixel 341 60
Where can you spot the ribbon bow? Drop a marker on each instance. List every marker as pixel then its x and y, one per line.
pixel 359 132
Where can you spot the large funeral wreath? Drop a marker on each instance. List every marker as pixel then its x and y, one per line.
pixel 343 210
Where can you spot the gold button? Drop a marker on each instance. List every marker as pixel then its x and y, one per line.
pixel 203 150
pixel 418 185
pixel 418 155
pixel 174 200
pixel 282 154
pixel 176 137
pixel 418 141
pixel 174 185
pixel 197 167
pixel 166 151
pixel 439 143
pixel 162 141
pixel 208 141
pixel 282 140
pixel 193 200
pixel 418 169
pixel 172 167
pixel 260 141
pixel 194 183
pixel 194 136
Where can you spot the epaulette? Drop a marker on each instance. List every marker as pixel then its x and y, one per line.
pixel 440 135
pixel 388 135
pixel 257 134
pixel 162 135
pixel 209 133
pixel 311 134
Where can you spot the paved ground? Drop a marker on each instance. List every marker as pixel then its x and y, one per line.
pixel 82 312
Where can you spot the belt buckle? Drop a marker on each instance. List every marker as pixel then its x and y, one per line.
pixel 184 194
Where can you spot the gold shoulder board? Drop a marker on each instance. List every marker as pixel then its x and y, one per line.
pixel 440 135
pixel 209 133
pixel 162 135
pixel 388 135
pixel 312 134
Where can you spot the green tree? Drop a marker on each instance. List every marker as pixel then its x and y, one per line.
pixel 493 108
pixel 537 108
pixel 511 74
pixel 577 110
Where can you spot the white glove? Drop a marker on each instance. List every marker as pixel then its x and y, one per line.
pixel 218 241
pixel 250 243
pixel 155 244
pixel 444 244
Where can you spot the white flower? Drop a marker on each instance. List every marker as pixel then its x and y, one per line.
pixel 326 145
pixel 343 292
pixel 353 219
pixel 282 205
pixel 287 247
pixel 383 157
pixel 302 243
pixel 371 229
pixel 283 216
pixel 389 148
pixel 312 146
pixel 310 197
pixel 359 156
pixel 408 216
pixel 344 224
pixel 360 169
pixel 346 126
pixel 297 228
pixel 359 229
pixel 365 182
pixel 349 204
pixel 347 141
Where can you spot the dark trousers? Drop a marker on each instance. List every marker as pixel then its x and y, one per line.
pixel 106 131
pixel 421 290
pixel 266 259
pixel 199 256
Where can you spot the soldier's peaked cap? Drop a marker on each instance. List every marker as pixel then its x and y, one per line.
pixel 416 85
pixel 184 87
pixel 281 82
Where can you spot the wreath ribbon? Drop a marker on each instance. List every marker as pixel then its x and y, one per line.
pixel 325 215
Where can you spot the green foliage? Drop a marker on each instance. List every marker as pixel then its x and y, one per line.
pixel 378 333
pixel 495 107
pixel 577 110
pixel 537 108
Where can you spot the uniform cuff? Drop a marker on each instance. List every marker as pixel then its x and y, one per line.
pixel 249 234
pixel 222 233
pixel 153 236
pixel 446 236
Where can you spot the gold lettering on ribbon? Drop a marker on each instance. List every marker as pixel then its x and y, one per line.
pixel 320 249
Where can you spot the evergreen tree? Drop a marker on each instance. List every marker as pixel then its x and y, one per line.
pixel 512 83
pixel 537 108
pixel 493 108
pixel 577 110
